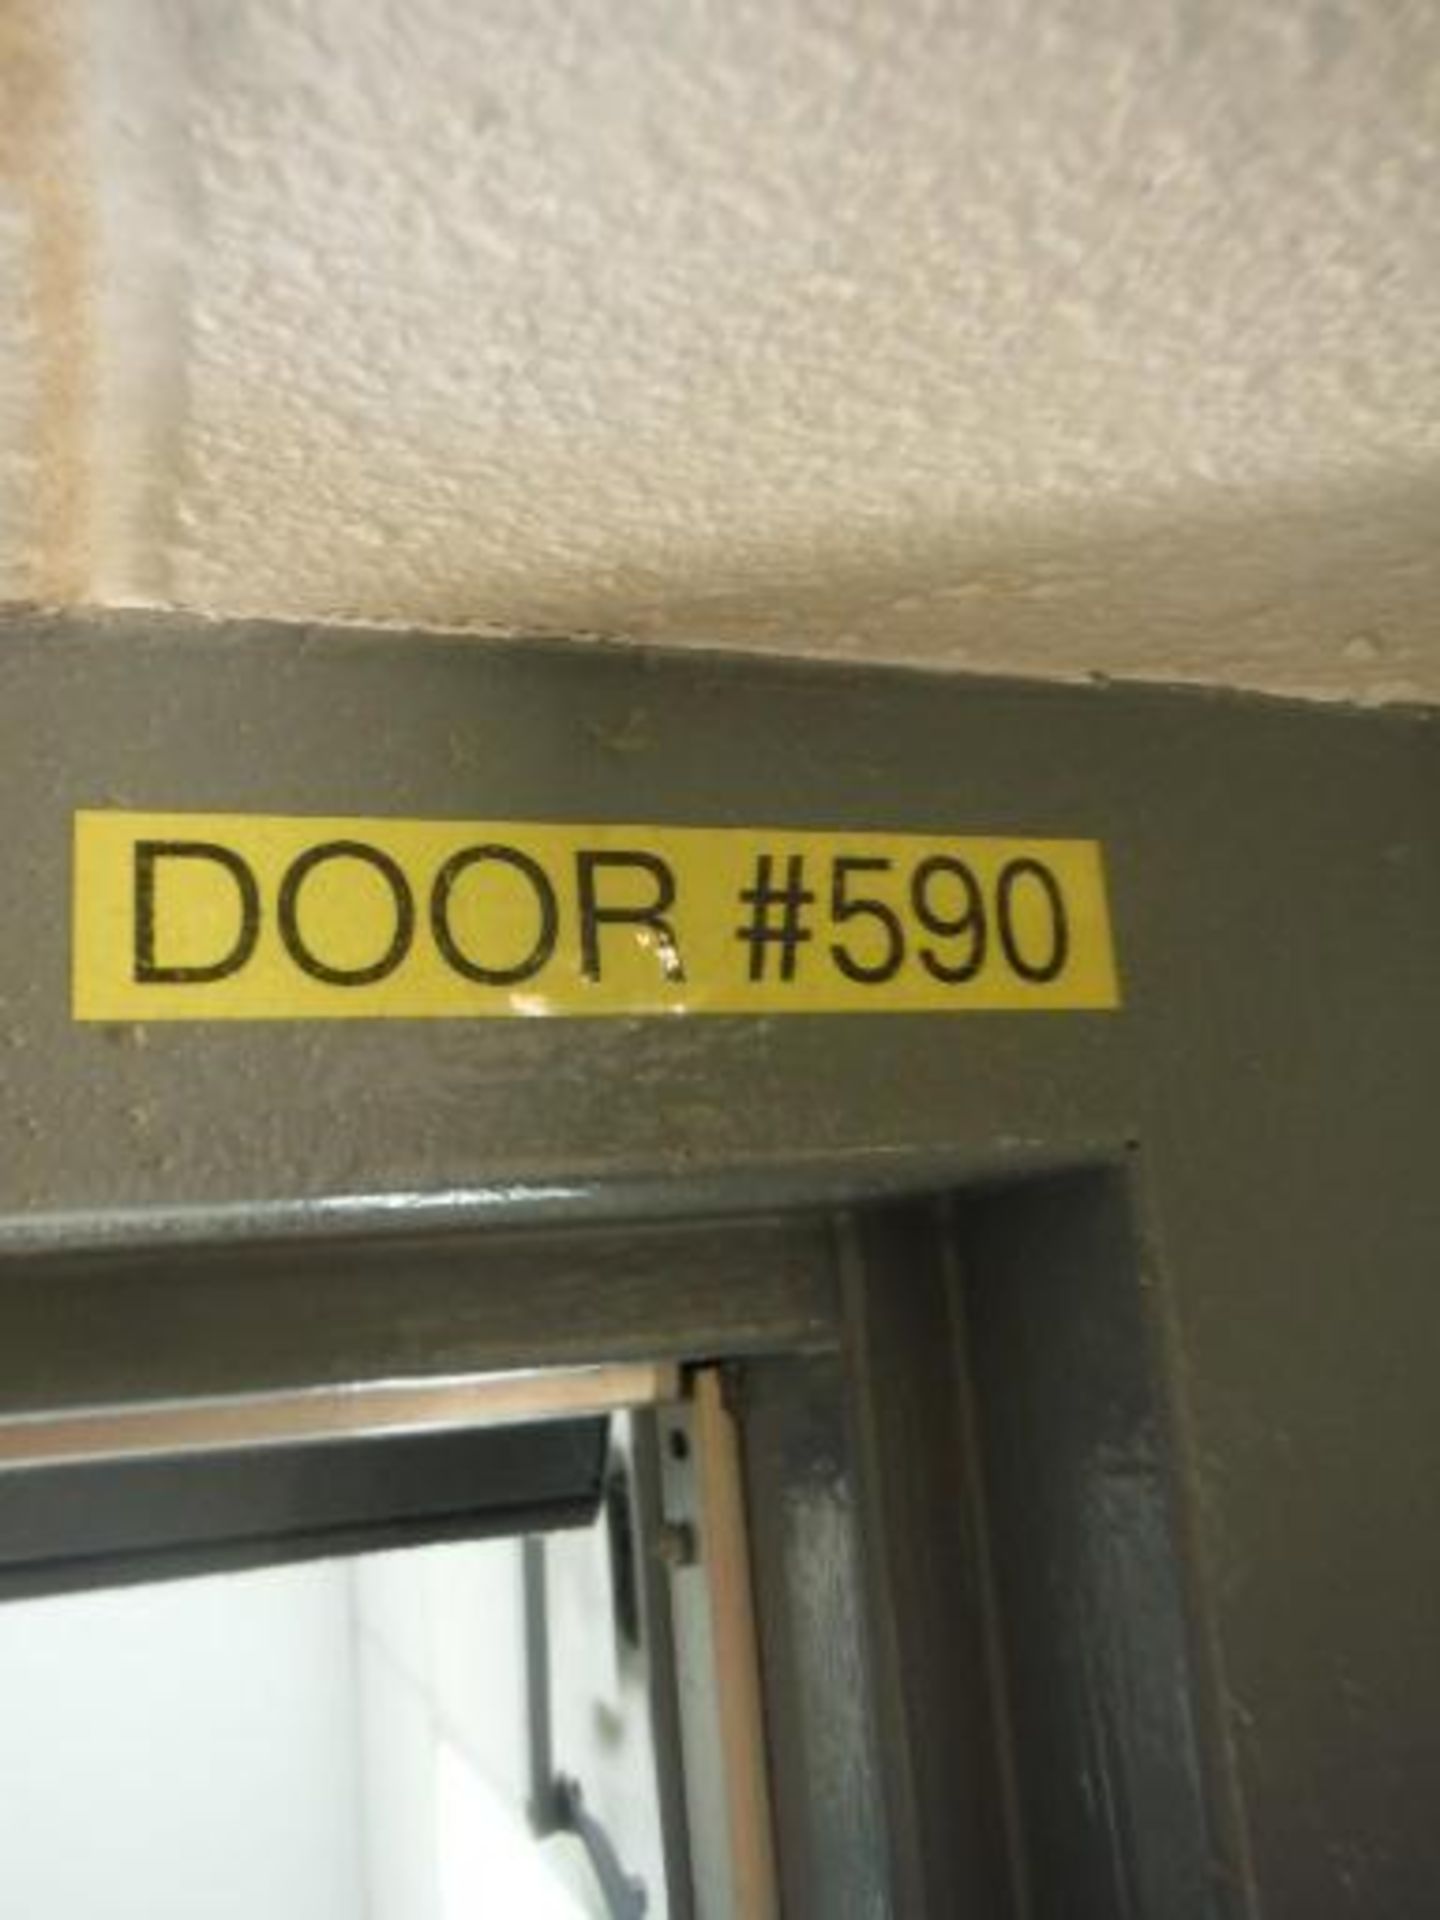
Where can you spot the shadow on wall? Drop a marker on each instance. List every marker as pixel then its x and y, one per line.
pixel 1332 595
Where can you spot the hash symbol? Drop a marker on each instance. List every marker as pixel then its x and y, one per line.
pixel 764 930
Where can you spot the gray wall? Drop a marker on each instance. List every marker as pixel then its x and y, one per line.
pixel 1270 1080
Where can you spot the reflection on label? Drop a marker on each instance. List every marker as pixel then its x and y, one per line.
pixel 226 917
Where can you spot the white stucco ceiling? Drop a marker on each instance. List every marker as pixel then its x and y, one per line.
pixel 1052 336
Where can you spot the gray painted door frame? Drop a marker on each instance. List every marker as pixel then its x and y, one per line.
pixel 1265 1093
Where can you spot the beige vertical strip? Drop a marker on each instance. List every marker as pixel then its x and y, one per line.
pixel 41 169
pixel 726 1550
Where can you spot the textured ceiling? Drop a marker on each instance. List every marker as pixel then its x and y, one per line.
pixel 1053 336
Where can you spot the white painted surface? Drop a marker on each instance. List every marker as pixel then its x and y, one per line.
pixel 444 1746
pixel 344 1741
pixel 445 1733
pixel 440 1678
pixel 177 1751
pixel 1053 336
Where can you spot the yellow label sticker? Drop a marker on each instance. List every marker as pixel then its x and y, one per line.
pixel 264 917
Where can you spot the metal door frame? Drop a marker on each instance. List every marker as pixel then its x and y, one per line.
pixel 1269 1084
pixel 873 1356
